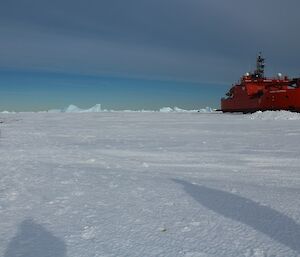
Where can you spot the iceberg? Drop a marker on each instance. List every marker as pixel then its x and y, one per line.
pixel 207 110
pixel 7 112
pixel 97 108
pixel 166 109
pixel 74 109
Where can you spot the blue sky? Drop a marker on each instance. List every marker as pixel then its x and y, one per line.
pixel 139 54
pixel 29 91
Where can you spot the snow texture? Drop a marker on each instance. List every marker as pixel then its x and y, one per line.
pixel 275 115
pixel 149 184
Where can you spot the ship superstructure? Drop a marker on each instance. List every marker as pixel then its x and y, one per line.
pixel 255 92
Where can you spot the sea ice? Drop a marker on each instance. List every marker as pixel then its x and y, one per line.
pixel 149 184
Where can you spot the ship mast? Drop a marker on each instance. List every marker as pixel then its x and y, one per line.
pixel 260 67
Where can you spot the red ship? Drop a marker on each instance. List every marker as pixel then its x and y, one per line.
pixel 255 92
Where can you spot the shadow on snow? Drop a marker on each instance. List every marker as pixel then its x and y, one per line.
pixel 33 240
pixel 262 218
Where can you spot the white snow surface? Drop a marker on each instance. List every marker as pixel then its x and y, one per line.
pixel 275 115
pixel 148 184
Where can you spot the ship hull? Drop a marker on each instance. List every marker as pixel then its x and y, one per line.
pixel 276 99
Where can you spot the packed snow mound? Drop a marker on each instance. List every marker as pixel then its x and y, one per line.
pixel 275 115
pixel 177 109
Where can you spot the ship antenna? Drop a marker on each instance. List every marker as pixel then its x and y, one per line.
pixel 260 66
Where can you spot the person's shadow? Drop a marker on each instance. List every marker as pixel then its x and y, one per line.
pixel 33 240
pixel 272 223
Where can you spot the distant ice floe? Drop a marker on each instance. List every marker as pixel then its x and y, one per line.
pixel 74 109
pixel 176 109
pixel 275 115
pixel 6 112
pixel 97 108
